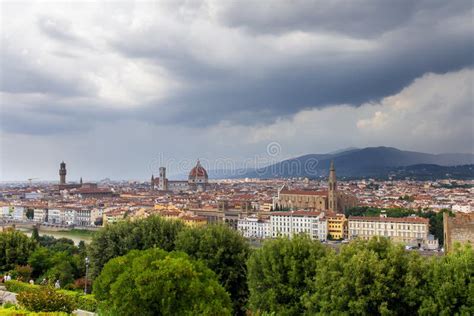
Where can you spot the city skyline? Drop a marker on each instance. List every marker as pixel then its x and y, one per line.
pixel 103 86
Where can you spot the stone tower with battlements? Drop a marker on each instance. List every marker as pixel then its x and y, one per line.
pixel 62 173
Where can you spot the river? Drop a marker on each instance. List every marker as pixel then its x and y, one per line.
pixel 74 236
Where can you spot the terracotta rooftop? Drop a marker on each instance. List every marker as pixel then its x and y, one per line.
pixel 420 220
pixel 304 192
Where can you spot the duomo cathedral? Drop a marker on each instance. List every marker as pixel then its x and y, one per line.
pixel 198 180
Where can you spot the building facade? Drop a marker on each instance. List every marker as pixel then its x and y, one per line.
pixel 324 200
pixel 408 230
pixel 289 224
pixel 337 226
pixel 458 229
pixel 254 227
pixel 197 180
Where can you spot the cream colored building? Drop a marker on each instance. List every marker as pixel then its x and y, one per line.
pixel 293 223
pixel 409 230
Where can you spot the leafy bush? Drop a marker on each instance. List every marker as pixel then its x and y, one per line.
pixel 17 286
pixel 23 272
pixel 46 299
pixel 82 301
pixel 14 311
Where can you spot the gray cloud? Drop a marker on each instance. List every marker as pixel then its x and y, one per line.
pixel 208 78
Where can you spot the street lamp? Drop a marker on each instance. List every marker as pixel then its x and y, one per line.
pixel 87 269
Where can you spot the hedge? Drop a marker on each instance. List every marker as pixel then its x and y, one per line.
pixel 17 286
pixel 82 301
pixel 86 302
pixel 13 311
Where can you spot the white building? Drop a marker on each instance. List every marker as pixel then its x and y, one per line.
pixel 19 213
pixel 6 211
pixel 55 216
pixel 33 195
pixel 253 227
pixel 293 223
pixel 39 215
pixel 465 208
pixel 70 216
pixel 84 217
pixel 410 230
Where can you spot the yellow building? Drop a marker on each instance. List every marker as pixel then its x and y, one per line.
pixel 190 220
pixel 113 216
pixel 337 226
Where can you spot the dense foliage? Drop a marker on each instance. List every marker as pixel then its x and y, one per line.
pixel 118 239
pixel 155 282
pixel 15 248
pixel 373 277
pixel 81 301
pixel 225 252
pixel 45 299
pixel 280 272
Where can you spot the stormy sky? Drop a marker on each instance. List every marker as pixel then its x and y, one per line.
pixel 118 89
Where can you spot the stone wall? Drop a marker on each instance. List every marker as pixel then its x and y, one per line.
pixel 458 229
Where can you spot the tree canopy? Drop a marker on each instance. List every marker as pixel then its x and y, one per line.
pixel 118 239
pixel 155 282
pixel 225 252
pixel 15 248
pixel 279 274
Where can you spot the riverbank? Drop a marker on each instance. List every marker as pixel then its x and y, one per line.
pixel 76 235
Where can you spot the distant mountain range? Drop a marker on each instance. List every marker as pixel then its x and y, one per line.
pixel 378 162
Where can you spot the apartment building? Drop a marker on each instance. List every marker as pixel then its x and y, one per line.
pixel 411 230
pixel 293 223
pixel 254 227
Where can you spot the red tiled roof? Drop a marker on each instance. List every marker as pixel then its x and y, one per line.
pixel 390 219
pixel 296 213
pixel 304 192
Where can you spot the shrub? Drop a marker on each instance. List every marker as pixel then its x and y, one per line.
pixel 82 301
pixel 14 311
pixel 23 272
pixel 46 299
pixel 17 286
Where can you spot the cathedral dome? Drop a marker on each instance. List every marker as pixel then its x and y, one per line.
pixel 198 172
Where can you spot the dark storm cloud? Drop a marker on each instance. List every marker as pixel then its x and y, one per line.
pixel 409 39
pixel 365 18
pixel 422 40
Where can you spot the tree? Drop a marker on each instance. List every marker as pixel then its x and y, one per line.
pixel 225 252
pixel 64 268
pixel 35 234
pixel 279 274
pixel 368 278
pixel 40 260
pixel 15 248
pixel 450 284
pixel 118 239
pixel 155 282
pixel 30 213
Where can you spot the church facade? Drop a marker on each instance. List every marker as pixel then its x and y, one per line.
pixel 331 200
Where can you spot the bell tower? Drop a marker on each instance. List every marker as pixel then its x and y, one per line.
pixel 62 173
pixel 332 189
pixel 163 182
